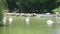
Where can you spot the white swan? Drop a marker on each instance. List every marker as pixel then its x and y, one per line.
pixel 27 20
pixel 50 22
pixel 4 20
pixel 10 20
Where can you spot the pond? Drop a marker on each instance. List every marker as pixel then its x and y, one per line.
pixel 36 26
pixel 30 29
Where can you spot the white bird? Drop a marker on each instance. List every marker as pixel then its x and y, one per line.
pixel 27 20
pixel 47 13
pixel 4 20
pixel 50 22
pixel 10 20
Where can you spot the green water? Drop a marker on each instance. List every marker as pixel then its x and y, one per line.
pixel 37 26
pixel 30 29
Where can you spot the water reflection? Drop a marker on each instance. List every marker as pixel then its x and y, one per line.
pixel 31 29
pixel 4 30
pixel 50 26
pixel 58 29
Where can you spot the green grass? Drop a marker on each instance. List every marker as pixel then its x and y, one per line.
pixel 37 26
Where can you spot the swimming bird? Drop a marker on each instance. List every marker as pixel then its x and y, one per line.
pixel 50 22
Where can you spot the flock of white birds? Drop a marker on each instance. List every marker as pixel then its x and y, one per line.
pixel 49 22
pixel 11 20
